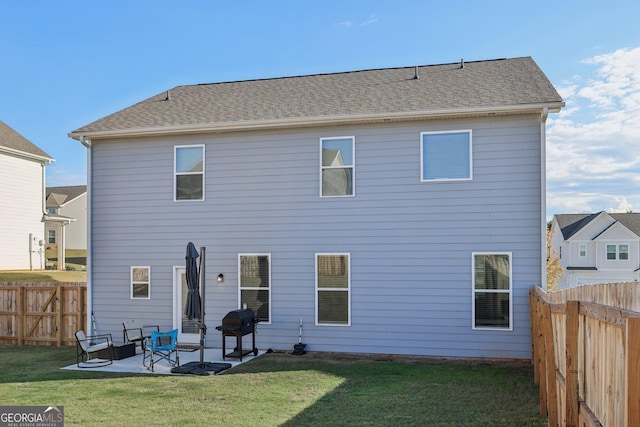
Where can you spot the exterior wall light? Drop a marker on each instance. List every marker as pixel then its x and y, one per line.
pixel 220 278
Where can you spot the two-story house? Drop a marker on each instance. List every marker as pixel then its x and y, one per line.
pixel 22 181
pixel 70 202
pixel 397 210
pixel 597 248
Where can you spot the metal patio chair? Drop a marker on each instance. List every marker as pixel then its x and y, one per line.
pixel 133 332
pixel 100 346
pixel 161 345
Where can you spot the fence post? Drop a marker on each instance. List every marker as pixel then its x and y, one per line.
pixel 571 349
pixel 59 316
pixel 550 363
pixel 533 314
pixel 21 317
pixel 632 370
pixel 542 357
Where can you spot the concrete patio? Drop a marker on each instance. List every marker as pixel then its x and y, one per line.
pixel 134 364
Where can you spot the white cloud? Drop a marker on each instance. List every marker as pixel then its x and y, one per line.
pixel 593 154
pixel 372 19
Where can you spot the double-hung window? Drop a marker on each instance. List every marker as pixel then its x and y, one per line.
pixel 333 284
pixel 492 291
pixel 189 172
pixel 618 252
pixel 337 162
pixel 446 156
pixel 255 284
pixel 582 250
pixel 140 282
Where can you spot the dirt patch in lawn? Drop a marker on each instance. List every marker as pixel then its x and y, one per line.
pixel 359 357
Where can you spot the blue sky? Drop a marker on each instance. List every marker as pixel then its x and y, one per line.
pixel 66 64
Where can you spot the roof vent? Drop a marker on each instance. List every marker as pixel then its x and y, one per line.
pixel 461 62
pixel 168 97
pixel 416 76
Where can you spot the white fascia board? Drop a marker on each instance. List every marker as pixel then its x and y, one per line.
pixel 26 155
pixel 317 121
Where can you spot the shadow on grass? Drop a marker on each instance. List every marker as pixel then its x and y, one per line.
pixel 412 392
pixel 325 389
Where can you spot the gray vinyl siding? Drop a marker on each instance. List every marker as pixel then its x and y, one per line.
pixel 410 242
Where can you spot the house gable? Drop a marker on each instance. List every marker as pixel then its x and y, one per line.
pixel 601 247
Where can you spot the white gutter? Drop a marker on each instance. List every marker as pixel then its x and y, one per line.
pixel 23 154
pixel 87 143
pixel 543 195
pixel 316 121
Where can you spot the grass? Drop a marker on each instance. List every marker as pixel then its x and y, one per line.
pixel 43 276
pixel 277 389
pixel 76 261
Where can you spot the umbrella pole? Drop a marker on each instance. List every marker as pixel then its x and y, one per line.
pixel 202 289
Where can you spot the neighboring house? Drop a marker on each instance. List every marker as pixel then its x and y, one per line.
pixel 22 181
pixel 391 210
pixel 597 248
pixel 69 202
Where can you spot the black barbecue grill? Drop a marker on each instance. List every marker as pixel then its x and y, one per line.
pixel 238 323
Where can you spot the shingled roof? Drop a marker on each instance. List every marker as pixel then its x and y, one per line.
pixel 502 85
pixel 58 196
pixel 14 142
pixel 570 224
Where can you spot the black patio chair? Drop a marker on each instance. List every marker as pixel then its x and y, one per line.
pixel 133 332
pixel 94 350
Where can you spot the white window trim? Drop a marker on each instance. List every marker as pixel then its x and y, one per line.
pixel 470 178
pixel 617 252
pixel 348 289
pixel 580 246
pixel 353 166
pixel 132 282
pixel 250 288
pixel 502 291
pixel 175 173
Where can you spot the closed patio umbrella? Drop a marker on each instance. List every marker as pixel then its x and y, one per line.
pixel 192 307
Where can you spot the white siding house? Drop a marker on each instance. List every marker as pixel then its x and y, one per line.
pixel 69 202
pixel 394 210
pixel 597 248
pixel 22 180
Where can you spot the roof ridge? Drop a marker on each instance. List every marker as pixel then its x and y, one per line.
pixel 297 76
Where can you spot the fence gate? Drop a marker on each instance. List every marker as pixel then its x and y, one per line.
pixel 41 314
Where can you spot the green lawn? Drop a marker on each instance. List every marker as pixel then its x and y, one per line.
pixel 277 389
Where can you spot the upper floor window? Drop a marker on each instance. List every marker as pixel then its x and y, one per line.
pixel 189 172
pixel 337 156
pixel 333 281
pixel 492 291
pixel 445 156
pixel 619 252
pixel 140 282
pixel 255 284
pixel 582 249
pixel 52 210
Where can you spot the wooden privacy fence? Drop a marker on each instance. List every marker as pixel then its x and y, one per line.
pixel 586 354
pixel 42 313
